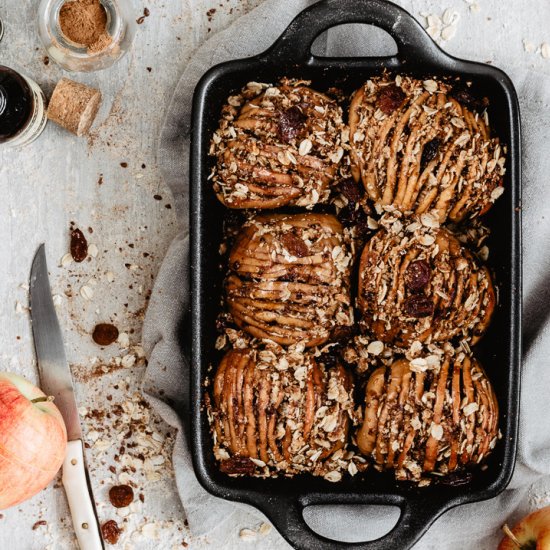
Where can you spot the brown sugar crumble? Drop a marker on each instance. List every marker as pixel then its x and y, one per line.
pixel 84 22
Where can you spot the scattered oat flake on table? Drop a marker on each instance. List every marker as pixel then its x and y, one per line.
pixel 66 260
pixel 265 529
pixel 151 530
pixel 443 27
pixel 247 534
pixel 545 50
pixel 528 46
pixel 450 17
pixel 86 292
pixel 448 33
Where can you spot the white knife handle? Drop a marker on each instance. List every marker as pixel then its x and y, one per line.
pixel 78 495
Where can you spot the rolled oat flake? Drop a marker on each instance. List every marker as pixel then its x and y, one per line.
pixel 22 108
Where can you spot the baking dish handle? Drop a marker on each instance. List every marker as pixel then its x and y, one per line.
pixel 414 521
pixel 294 45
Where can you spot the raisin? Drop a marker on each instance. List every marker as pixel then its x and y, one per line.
pixel 419 305
pixel 464 96
pixel 291 123
pixel 121 495
pixel 352 216
pixel 295 245
pixel 429 152
pixel 79 245
pixel 237 465
pixel 330 359
pixel 105 334
pixel 351 190
pixel 110 531
pixel 418 275
pixel 390 98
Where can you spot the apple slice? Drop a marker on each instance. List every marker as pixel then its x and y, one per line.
pixel 531 533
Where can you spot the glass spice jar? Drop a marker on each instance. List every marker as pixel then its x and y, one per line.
pixel 113 41
pixel 22 108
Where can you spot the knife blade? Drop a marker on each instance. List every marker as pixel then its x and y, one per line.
pixel 56 380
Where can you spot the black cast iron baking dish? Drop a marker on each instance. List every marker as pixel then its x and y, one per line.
pixel 283 500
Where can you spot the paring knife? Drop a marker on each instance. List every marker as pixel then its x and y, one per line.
pixel 56 380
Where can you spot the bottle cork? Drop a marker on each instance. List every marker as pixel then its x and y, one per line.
pixel 74 106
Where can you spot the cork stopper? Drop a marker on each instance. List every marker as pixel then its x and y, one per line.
pixel 74 106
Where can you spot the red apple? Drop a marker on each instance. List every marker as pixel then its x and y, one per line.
pixel 33 440
pixel 531 533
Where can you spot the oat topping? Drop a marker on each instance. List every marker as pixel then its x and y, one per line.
pixel 276 146
pixel 421 423
pixel 424 145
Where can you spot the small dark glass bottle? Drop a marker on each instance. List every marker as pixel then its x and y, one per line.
pixel 22 108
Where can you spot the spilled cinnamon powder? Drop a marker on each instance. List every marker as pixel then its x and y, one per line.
pixel 84 22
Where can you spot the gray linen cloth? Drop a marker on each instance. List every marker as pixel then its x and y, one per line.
pixel 474 526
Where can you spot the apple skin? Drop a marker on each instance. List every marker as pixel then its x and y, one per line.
pixel 33 440
pixel 532 532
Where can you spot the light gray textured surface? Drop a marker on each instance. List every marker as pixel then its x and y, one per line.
pixel 54 181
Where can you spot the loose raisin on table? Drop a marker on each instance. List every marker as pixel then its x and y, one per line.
pixel 105 334
pixel 121 496
pixel 79 245
pixel 110 531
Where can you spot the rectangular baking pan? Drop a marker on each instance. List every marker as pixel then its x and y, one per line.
pixel 281 499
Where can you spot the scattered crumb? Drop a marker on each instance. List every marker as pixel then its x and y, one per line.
pixel 141 19
pixel 528 46
pixel 38 524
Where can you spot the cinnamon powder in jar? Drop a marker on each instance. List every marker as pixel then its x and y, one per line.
pixel 84 22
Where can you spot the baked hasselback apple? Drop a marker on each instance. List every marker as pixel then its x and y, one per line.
pixel 420 283
pixel 278 413
pixel 421 146
pixel 277 145
pixel 289 278
pixel 420 421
